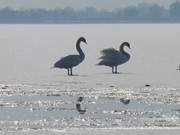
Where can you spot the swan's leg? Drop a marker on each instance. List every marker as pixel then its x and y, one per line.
pixel 71 70
pixel 116 69
pixel 68 71
pixel 112 70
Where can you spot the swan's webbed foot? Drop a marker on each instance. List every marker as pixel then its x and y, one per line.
pixel 114 70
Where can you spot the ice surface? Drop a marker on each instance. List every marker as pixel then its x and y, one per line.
pixel 145 94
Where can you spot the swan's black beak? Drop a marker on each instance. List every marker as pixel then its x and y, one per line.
pixel 85 42
pixel 128 45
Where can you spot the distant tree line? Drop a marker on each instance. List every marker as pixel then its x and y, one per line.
pixel 142 13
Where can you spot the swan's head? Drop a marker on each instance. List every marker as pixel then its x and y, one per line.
pixel 82 39
pixel 125 44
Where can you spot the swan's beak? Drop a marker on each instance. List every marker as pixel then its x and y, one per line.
pixel 85 42
pixel 128 45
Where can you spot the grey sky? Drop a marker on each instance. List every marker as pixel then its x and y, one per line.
pixel 102 4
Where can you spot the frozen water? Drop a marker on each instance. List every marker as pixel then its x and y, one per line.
pixel 146 93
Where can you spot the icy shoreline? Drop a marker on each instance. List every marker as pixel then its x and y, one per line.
pixel 83 131
pixel 38 107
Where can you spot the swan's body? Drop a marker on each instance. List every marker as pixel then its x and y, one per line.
pixel 112 58
pixel 71 61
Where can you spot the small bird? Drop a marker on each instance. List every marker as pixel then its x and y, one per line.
pixel 178 68
pixel 125 101
pixel 112 57
pixel 147 85
pixel 71 61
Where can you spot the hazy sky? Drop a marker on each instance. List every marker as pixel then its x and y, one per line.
pixel 105 4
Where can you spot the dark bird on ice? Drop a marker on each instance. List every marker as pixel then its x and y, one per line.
pixel 71 61
pixel 125 101
pixel 112 57
pixel 178 67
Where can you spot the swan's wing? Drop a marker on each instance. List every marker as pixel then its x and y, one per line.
pixel 68 61
pixel 122 58
pixel 109 53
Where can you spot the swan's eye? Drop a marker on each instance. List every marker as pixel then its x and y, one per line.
pixel 85 41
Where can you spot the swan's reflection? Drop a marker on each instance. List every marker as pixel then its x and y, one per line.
pixel 78 105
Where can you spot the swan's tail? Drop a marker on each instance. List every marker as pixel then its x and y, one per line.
pixel 100 63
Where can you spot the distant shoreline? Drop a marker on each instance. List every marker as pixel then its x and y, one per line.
pixel 141 13
pixel 96 22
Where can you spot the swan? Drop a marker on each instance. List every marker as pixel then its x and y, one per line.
pixel 112 57
pixel 71 61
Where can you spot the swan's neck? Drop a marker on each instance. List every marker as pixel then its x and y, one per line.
pixel 79 49
pixel 122 49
